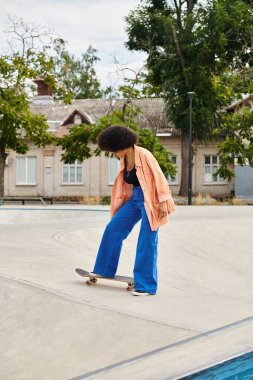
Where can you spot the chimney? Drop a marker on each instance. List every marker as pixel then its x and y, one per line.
pixel 44 92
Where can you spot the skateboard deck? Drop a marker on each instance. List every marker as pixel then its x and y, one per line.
pixel 92 279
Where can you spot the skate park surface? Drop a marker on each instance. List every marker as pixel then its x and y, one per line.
pixel 54 326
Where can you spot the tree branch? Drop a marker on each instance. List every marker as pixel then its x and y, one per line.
pixel 174 33
pixel 190 5
pixel 178 8
pixel 22 44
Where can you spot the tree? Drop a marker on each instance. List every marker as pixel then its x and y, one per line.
pixel 189 43
pixel 17 124
pixel 237 124
pixel 78 75
pixel 238 143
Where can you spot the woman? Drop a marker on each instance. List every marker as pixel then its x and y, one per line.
pixel 140 191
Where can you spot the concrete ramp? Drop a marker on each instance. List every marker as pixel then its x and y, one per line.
pixel 54 326
pixel 47 335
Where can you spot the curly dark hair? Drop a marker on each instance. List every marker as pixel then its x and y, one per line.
pixel 117 137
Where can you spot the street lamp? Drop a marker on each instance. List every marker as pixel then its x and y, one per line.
pixel 190 96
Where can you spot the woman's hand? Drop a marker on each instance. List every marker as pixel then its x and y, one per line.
pixel 162 210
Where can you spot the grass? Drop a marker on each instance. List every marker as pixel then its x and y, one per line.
pixel 208 200
pixel 197 200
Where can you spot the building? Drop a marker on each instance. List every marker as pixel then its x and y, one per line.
pixel 41 172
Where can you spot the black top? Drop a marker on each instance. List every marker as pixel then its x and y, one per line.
pixel 131 177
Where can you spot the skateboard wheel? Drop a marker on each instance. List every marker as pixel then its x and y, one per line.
pixel 130 287
pixel 93 280
pixel 88 282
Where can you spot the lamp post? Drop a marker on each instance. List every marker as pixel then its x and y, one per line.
pixel 190 96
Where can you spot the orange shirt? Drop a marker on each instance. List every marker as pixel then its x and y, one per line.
pixel 153 183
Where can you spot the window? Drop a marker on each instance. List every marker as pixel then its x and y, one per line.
pixel 73 173
pixel 26 170
pixel 173 179
pixel 113 169
pixel 77 119
pixel 212 164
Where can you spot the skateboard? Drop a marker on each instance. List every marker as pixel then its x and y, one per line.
pixel 92 279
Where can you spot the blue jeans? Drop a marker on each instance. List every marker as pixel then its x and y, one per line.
pixel 145 267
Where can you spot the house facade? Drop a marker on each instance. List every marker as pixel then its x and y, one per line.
pixel 41 172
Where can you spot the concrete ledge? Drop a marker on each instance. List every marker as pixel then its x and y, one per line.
pixel 25 199
pixel 185 357
pixel 31 214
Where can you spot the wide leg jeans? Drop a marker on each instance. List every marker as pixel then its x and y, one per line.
pixel 145 267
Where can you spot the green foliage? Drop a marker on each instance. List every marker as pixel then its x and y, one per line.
pixel 235 125
pixel 194 46
pixel 106 200
pixel 77 75
pixel 186 46
pixel 238 143
pixel 138 87
pixel 17 123
pixel 75 145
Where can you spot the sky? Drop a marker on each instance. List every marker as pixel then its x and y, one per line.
pixel 81 23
